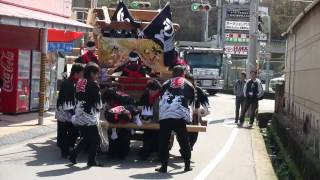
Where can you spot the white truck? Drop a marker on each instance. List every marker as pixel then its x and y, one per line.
pixel 205 64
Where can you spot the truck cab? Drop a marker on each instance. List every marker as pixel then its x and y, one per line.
pixel 205 65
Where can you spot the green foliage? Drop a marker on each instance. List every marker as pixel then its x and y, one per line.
pixel 282 12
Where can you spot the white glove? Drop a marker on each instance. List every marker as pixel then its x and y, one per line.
pixel 137 120
pixel 132 132
pixel 114 134
pixel 73 119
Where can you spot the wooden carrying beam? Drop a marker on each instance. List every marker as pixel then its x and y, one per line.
pixel 151 126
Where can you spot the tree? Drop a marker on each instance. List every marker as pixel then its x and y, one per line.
pixel 282 13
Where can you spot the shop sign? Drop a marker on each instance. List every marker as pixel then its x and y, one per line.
pixel 60 47
pixel 238 13
pixel 237 2
pixel 237 25
pixel 262 36
pixel 236 49
pixel 236 37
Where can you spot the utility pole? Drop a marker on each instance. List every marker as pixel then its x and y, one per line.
pixel 219 30
pixel 251 63
pixel 205 19
pixel 269 55
pixel 42 94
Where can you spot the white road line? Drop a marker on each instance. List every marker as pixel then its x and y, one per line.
pixel 214 162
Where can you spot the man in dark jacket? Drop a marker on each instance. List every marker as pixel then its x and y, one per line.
pixel 238 92
pixel 67 133
pixel 176 97
pixel 253 92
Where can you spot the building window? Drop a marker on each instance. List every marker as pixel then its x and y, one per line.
pixel 81 16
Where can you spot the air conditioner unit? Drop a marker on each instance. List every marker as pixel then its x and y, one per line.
pixel 81 16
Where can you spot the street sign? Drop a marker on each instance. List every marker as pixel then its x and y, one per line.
pixel 237 25
pixel 262 36
pixel 264 24
pixel 236 37
pixel 241 2
pixel 236 49
pixel 238 13
pixel 60 47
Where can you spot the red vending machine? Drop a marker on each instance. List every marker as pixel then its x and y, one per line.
pixel 15 72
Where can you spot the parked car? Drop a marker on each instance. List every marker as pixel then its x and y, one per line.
pixel 275 81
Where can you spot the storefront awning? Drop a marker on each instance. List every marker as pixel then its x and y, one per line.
pixel 19 16
pixel 55 35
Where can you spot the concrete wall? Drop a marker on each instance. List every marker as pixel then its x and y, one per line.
pixel 302 73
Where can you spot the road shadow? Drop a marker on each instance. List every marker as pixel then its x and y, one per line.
pixel 60 172
pixel 132 161
pixel 156 175
pixel 46 153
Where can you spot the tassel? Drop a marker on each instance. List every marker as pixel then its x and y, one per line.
pixel 114 134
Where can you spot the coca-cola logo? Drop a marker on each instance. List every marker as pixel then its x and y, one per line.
pixel 7 63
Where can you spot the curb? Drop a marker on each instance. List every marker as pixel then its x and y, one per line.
pixel 26 135
pixel 263 165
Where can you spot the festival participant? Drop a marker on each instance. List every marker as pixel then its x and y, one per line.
pixel 87 114
pixel 114 97
pixel 89 56
pixel 67 133
pixel 120 109
pixel 180 62
pixel 201 99
pixel 177 95
pixel 150 113
pixel 132 69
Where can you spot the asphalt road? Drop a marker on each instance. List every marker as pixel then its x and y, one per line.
pixel 223 152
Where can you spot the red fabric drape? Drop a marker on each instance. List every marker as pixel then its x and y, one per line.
pixel 63 36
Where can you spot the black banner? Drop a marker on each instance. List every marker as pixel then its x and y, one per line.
pixel 162 32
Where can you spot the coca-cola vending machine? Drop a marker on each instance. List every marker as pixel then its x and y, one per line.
pixel 15 72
